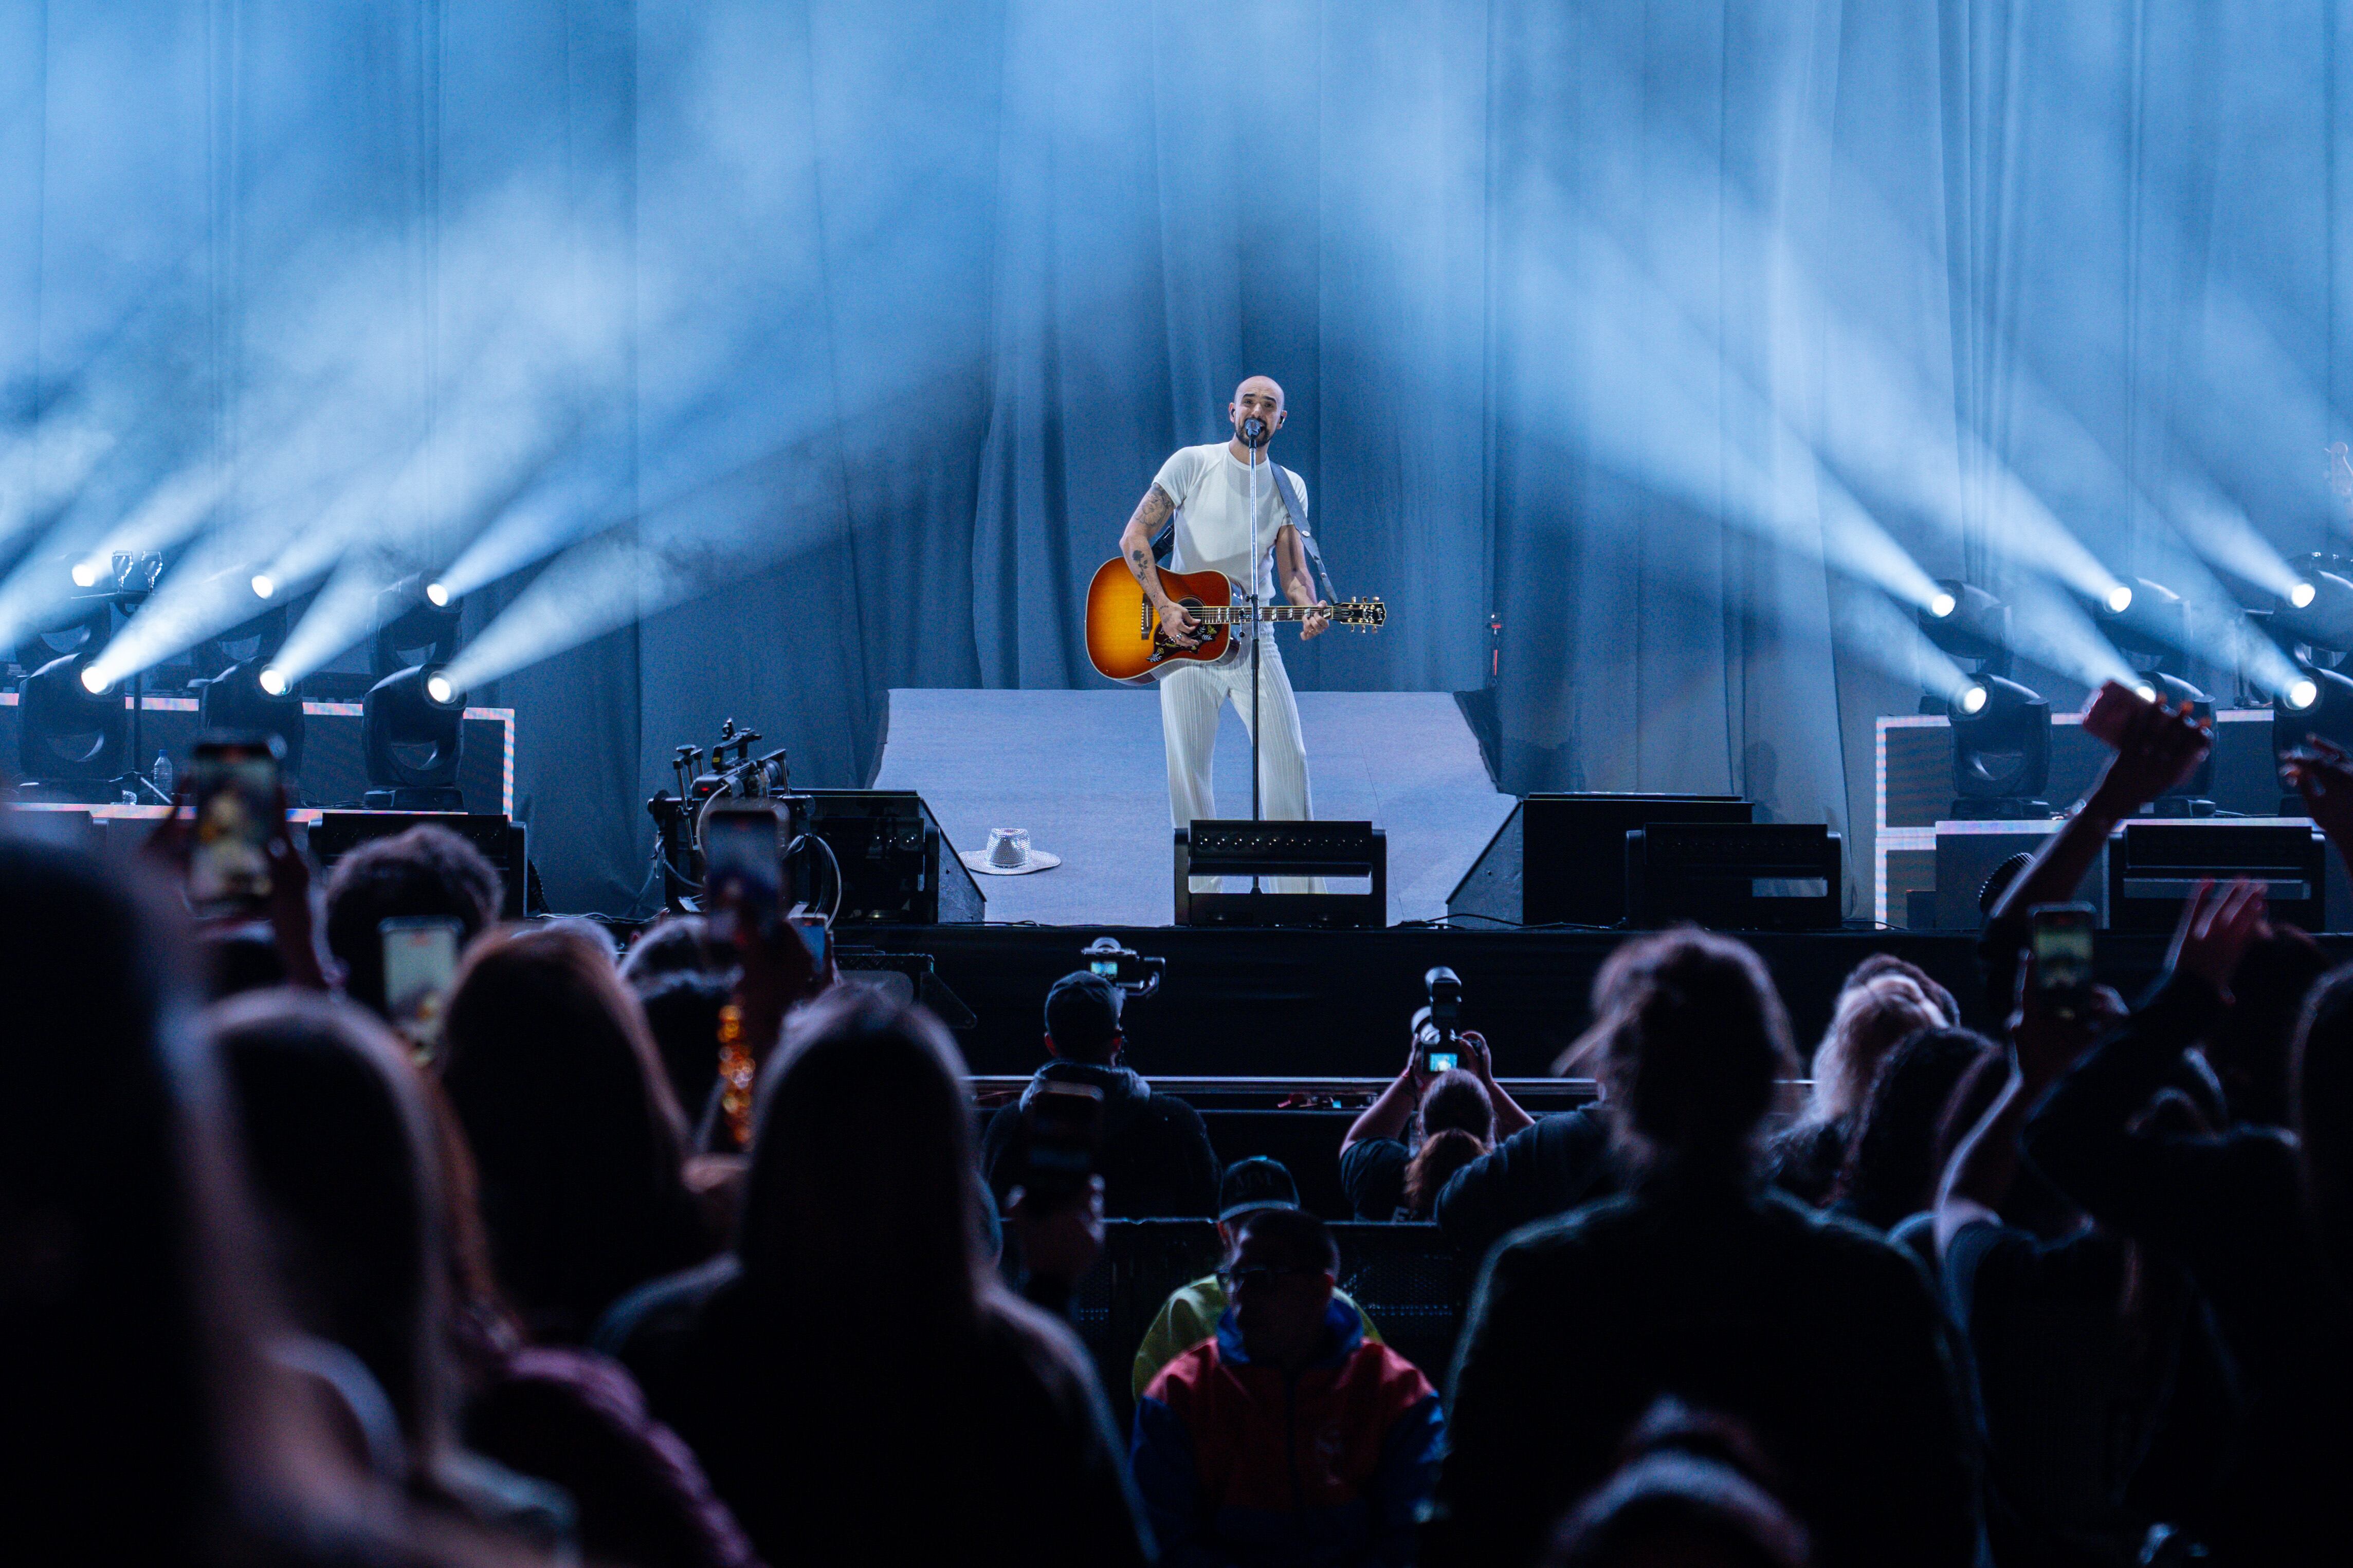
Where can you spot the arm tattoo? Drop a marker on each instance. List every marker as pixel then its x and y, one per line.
pixel 1150 513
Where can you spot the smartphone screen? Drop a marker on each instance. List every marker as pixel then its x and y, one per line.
pixel 813 934
pixel 234 789
pixel 2062 951
pixel 420 955
pixel 1063 1130
pixel 1441 1061
pixel 742 862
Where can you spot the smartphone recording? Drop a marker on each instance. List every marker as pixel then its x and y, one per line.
pixel 744 863
pixel 420 959
pixel 2061 943
pixel 233 790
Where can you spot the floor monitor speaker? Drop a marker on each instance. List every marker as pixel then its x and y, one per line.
pixel 1560 860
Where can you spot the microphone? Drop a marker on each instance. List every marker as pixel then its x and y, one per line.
pixel 1254 431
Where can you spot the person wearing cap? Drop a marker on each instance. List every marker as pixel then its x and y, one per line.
pixel 1155 1157
pixel 1287 1438
pixel 1191 1312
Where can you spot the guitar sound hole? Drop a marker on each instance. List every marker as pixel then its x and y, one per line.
pixel 1163 645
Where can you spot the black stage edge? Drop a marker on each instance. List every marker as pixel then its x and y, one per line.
pixel 1316 1003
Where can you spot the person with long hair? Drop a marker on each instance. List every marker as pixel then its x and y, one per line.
pixel 338 1155
pixel 137 1315
pixel 1891 1167
pixel 1868 1021
pixel 370 1211
pixel 858 1382
pixel 580 1144
pixel 1462 1112
pixel 1702 1283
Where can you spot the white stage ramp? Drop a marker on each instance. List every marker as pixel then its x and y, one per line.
pixel 1085 773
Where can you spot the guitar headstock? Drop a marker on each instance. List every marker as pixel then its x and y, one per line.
pixel 1362 615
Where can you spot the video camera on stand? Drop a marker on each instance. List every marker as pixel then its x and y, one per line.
pixel 1125 967
pixel 679 818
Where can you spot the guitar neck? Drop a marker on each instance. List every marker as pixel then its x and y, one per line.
pixel 1235 615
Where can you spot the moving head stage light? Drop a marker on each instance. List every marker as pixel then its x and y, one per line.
pixel 1970 623
pixel 71 735
pixel 413 733
pixel 84 626
pixel 252 697
pixel 2318 612
pixel 2319 701
pixel 422 632
pixel 2192 796
pixel 2002 751
pixel 258 640
pixel 2147 622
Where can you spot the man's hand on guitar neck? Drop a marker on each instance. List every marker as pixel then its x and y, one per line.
pixel 1297 586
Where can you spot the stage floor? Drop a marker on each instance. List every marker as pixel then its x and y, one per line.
pixel 1085 773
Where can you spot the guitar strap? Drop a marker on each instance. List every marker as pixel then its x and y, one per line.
pixel 1288 494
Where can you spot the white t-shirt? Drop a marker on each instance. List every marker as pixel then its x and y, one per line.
pixel 1211 489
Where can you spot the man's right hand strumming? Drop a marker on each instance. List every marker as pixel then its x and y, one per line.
pixel 1176 622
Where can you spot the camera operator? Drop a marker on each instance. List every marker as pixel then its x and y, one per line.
pixel 1461 1110
pixel 1553 1166
pixel 1155 1156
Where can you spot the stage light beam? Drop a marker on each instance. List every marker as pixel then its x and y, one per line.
pixel 2302 693
pixel 438 593
pixel 1942 604
pixel 264 585
pixel 94 680
pixel 2302 596
pixel 273 680
pixel 86 573
pixel 1973 696
pixel 2119 599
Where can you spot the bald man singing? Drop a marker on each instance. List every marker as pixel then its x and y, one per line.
pixel 1209 490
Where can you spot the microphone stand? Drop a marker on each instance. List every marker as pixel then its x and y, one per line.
pixel 1256 631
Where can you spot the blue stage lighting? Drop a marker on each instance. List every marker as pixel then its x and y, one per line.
pixel 421 632
pixel 2318 611
pixel 2319 701
pixel 1970 623
pixel 2002 751
pixel 66 732
pixel 241 698
pixel 412 732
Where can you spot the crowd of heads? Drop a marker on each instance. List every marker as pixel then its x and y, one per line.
pixel 316 1290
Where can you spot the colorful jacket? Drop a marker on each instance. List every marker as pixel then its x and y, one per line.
pixel 1190 1315
pixel 1240 1464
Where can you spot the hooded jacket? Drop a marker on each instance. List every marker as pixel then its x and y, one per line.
pixel 1155 1159
pixel 1243 1464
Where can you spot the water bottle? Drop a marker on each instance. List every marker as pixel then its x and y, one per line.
pixel 160 776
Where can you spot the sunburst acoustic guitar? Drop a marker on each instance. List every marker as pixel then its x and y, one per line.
pixel 1125 642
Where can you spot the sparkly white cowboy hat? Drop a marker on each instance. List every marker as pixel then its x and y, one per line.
pixel 1009 853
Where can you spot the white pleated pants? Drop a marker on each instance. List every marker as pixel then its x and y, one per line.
pixel 1190 697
